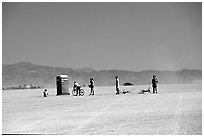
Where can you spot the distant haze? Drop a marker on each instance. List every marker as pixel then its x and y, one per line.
pixel 24 73
pixel 123 36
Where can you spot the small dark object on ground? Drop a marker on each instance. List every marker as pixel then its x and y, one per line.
pixel 127 84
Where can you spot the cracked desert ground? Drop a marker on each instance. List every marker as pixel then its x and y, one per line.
pixel 176 109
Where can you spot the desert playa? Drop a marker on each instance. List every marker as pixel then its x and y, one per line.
pixel 176 109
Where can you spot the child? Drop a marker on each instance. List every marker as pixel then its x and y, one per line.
pixel 45 93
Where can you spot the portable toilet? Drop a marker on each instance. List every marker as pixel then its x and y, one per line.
pixel 62 82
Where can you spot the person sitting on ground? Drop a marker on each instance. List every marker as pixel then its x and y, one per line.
pixel 45 93
pixel 143 91
pixel 77 87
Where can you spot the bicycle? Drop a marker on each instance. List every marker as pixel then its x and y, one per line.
pixel 81 92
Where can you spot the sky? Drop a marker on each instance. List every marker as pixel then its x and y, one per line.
pixel 124 36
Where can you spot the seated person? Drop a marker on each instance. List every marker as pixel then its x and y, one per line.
pixel 45 93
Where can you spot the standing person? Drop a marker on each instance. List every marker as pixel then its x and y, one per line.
pixel 77 87
pixel 154 84
pixel 91 85
pixel 117 85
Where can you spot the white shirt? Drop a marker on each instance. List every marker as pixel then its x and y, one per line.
pixel 77 84
pixel 117 83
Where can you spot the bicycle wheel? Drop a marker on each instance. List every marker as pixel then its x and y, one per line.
pixel 74 92
pixel 81 92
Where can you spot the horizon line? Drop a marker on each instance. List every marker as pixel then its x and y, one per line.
pixel 104 69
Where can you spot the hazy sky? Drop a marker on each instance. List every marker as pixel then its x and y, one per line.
pixel 127 36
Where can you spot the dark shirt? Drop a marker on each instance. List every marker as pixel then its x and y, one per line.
pixel 117 83
pixel 91 84
pixel 154 82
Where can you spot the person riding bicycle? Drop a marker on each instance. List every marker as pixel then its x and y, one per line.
pixel 77 87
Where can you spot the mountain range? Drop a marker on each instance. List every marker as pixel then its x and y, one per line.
pixel 24 73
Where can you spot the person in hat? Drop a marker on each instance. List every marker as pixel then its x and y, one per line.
pixel 91 85
pixel 117 85
pixel 154 84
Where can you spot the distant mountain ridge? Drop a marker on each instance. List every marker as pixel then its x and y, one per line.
pixel 27 73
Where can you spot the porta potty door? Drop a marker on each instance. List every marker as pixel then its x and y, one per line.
pixel 62 82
